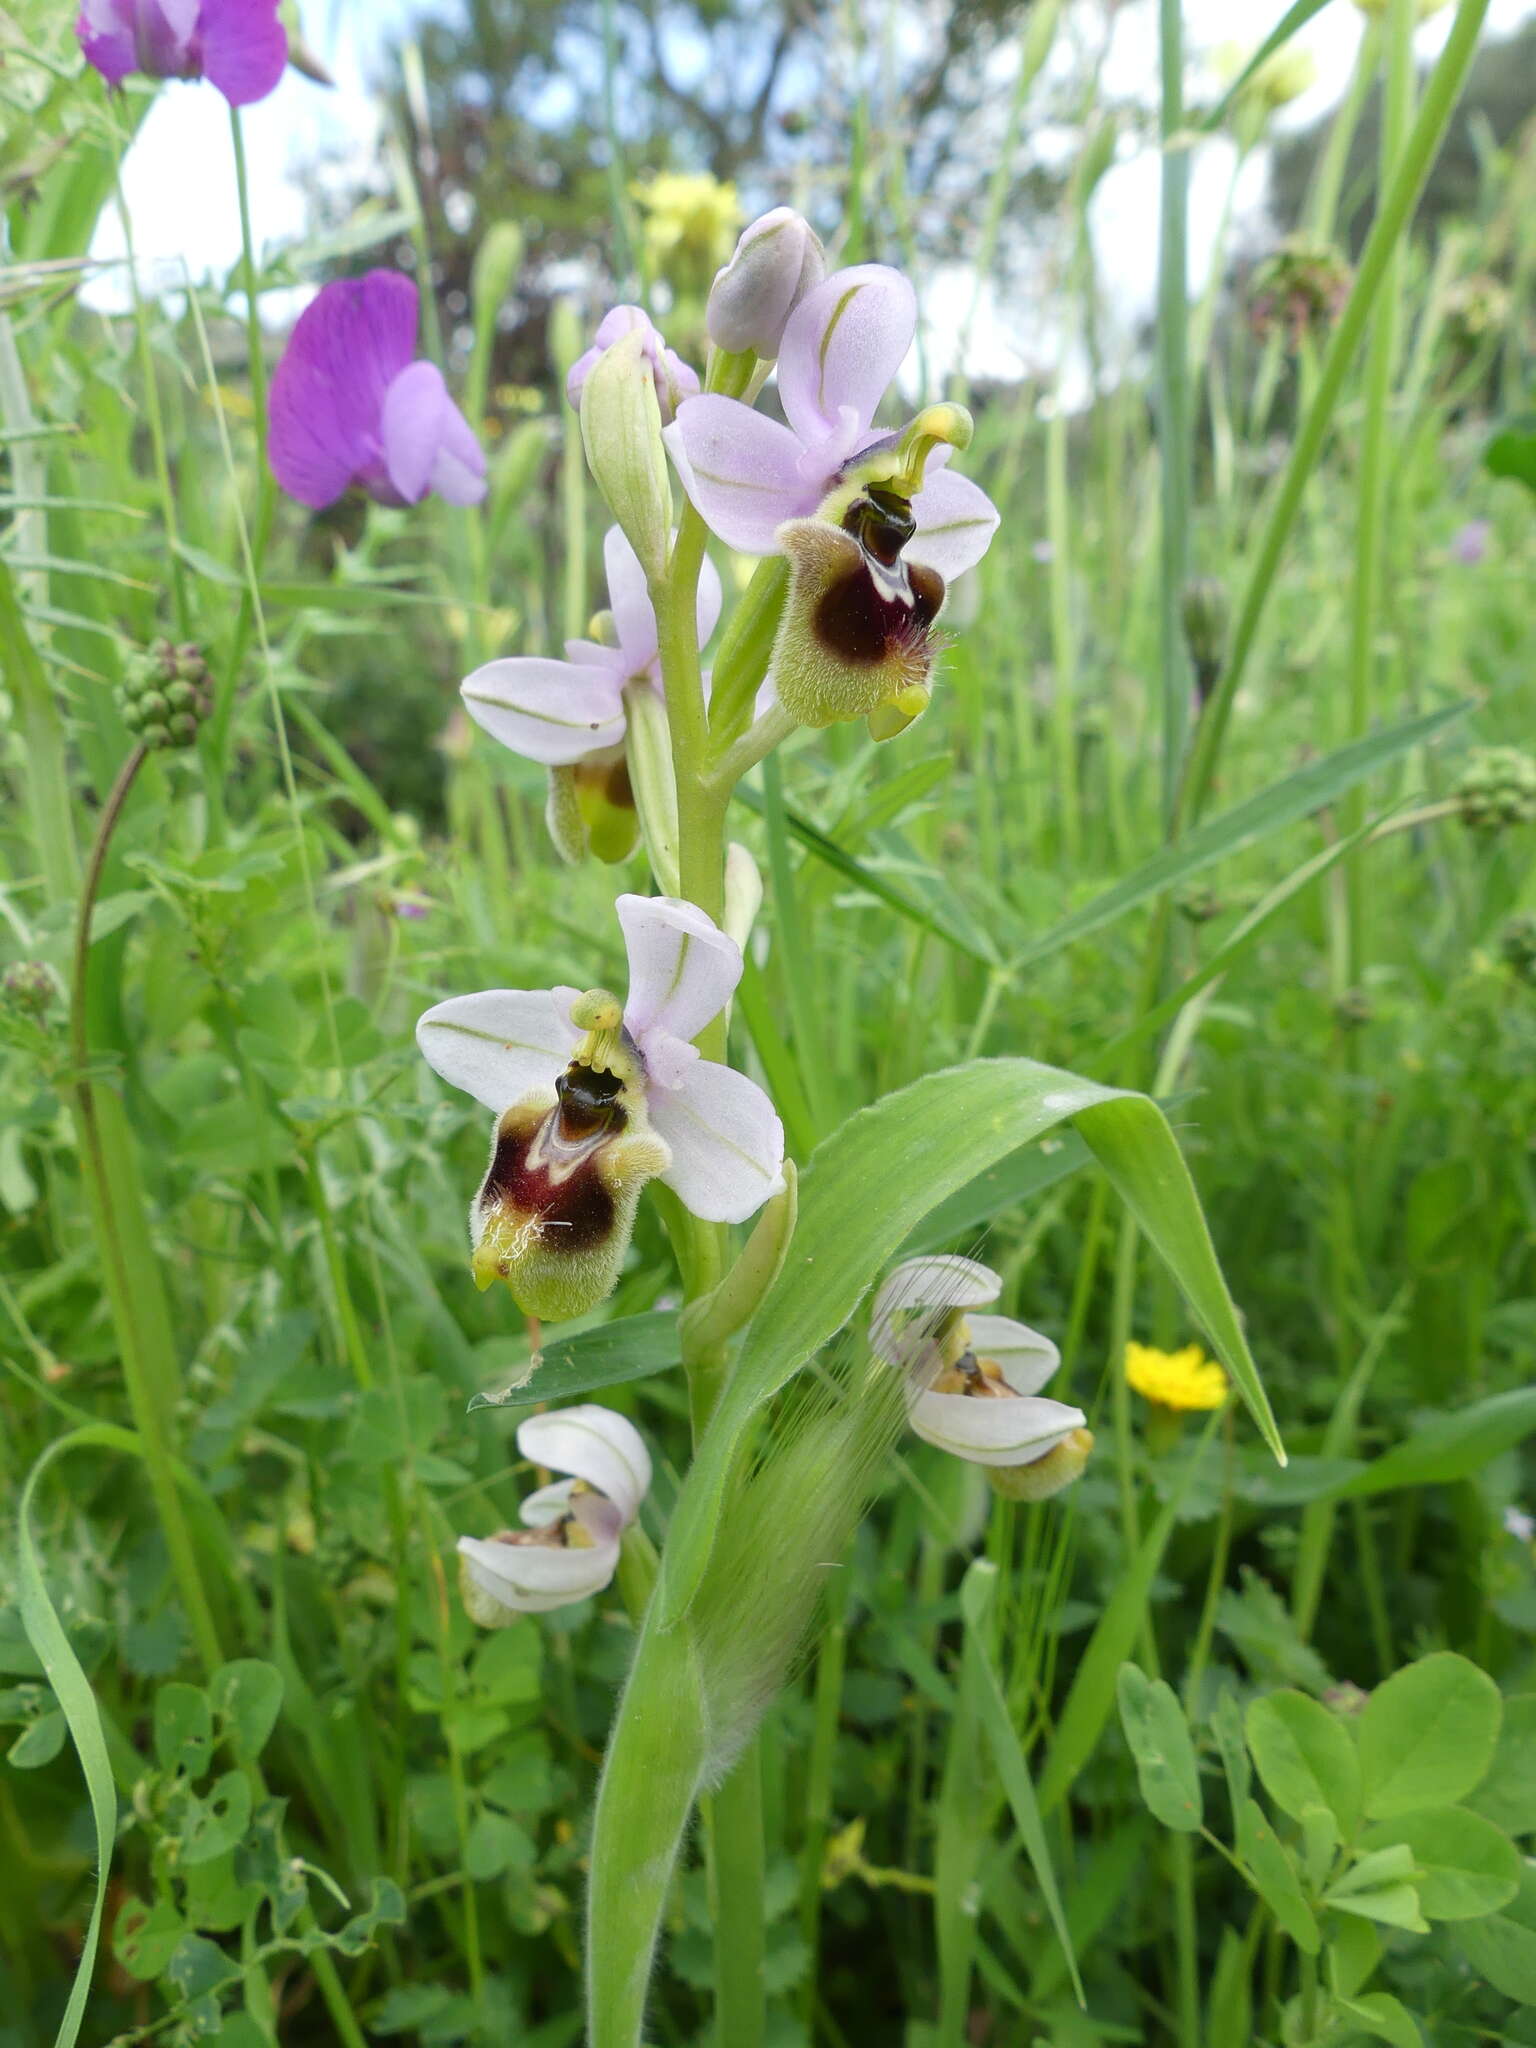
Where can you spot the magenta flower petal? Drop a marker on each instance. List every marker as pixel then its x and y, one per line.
pixel 742 471
pixel 428 443
pixel 328 392
pixel 844 343
pixel 244 48
pixel 629 599
pixel 551 711
pixel 105 32
pixel 955 524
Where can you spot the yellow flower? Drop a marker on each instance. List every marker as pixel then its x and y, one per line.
pixel 1176 1379
pixel 688 214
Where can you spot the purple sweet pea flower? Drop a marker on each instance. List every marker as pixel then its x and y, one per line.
pixel 239 46
pixel 558 712
pixel 674 380
pixel 350 404
pixel 842 346
pixel 1470 542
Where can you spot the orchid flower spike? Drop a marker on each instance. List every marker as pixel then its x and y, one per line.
pixel 352 404
pixel 240 46
pixel 973 1381
pixel 560 712
pixel 840 349
pixel 675 381
pixel 594 1098
pixel 568 1547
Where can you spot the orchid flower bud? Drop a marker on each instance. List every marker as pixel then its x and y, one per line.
pixel 973 1380
pixel 778 260
pixel 621 430
pixel 591 808
pixel 594 1098
pixel 569 1545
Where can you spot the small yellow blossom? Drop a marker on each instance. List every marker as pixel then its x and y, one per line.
pixel 1176 1379
pixel 689 215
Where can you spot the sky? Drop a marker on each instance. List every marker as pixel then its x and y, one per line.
pixel 194 221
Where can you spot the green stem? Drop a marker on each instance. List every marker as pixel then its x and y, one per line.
pixel 106 1167
pixel 830 1659
pixel 735 1820
pixel 1173 400
pixel 42 739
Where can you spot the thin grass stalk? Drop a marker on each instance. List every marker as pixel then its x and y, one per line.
pixel 1173 393
pixel 1398 203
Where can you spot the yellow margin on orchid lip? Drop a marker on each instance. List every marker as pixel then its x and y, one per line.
pixel 1176 1379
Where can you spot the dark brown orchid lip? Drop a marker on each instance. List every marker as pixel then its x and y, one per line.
pixel 882 605
pixel 546 1161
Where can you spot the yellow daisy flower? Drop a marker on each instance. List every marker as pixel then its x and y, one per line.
pixel 1176 1379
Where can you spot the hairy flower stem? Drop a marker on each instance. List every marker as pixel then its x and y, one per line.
pixel 133 1283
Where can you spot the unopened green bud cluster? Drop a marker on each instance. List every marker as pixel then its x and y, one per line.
pixel 1497 789
pixel 27 989
pixel 1517 943
pixel 165 694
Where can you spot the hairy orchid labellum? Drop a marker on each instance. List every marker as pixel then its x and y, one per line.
pixel 568 1547
pixel 973 1381
pixel 571 714
pixel 594 1098
pixel 239 46
pixel 351 404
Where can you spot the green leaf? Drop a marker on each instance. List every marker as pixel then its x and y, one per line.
pixel 248 1694
pixel 1512 451
pixel 919 1146
pixel 1507 1796
pixel 1354 1950
pixel 991 1708
pixel 1159 1740
pixel 1305 1757
pixel 39 1744
pixel 212 1825
pixel 196 1966
pixel 385 1908
pixel 632 1348
pixel 1275 1879
pixel 496 1844
pixel 1502 1948
pixel 1016 1179
pixel 1427 1735
pixel 1452 1446
pixel 76 1701
pixel 144 1938
pixel 1226 1726
pixel 183 1729
pixel 1392 1865
pixel 1284 803
pixel 1466 1867
pixel 1389 1905
pixel 1380 2014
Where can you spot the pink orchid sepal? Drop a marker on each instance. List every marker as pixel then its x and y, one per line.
pixel 840 350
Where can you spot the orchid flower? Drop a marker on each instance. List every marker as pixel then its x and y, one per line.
pixel 840 349
pixel 973 1381
pixel 240 46
pixel 675 381
pixel 594 1098
pixel 568 1547
pixel 559 712
pixel 352 404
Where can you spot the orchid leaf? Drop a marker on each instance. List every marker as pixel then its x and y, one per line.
pixel 918 1147
pixel 632 1348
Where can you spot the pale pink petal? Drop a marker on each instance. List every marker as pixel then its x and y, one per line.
pixel 549 711
pixel 994 1432
pixel 683 969
pixel 1027 1359
pixel 844 343
pixel 428 444
pixel 595 1444
pixel 726 1139
pixel 742 471
pixel 711 598
pixel 497 1045
pixel 629 600
pixel 532 1578
pixel 955 523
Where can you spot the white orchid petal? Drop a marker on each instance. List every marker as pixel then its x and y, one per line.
pixel 955 524
pixel 683 969
pixel 546 1505
pixel 532 1578
pixel 999 1431
pixel 629 599
pixel 497 1045
pixel 553 712
pixel 944 1281
pixel 1027 1359
pixel 727 1142
pixel 594 1444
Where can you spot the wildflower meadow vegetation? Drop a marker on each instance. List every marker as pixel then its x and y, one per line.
pixel 766 1097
